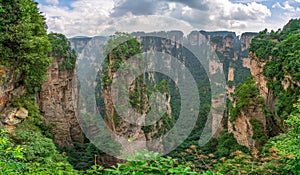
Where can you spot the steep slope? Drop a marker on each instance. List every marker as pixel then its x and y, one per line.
pixel 231 49
pixel 58 98
pixel 274 65
pixel 25 140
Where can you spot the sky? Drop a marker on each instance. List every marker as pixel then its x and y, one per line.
pixel 105 17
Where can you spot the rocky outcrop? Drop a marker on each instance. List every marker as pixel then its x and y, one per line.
pixel 231 74
pixel 256 67
pixel 122 129
pixel 10 86
pixel 13 116
pixel 246 40
pixel 57 98
pixel 58 101
pixel 243 128
pixel 231 49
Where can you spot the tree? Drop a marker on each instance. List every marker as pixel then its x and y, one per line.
pixel 288 144
pixel 24 44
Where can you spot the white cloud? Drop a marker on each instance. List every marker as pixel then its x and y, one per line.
pixel 102 17
pixel 289 10
pixel 53 2
pixel 225 15
pixel 247 1
pixel 87 17
pixel 286 6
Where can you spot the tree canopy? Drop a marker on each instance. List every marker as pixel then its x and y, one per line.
pixel 24 43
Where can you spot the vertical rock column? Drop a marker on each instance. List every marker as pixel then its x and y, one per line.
pixel 58 101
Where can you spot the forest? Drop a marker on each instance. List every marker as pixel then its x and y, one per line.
pixel 32 143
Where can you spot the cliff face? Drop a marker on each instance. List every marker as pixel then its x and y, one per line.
pixel 58 98
pixel 244 128
pixel 231 49
pixel 122 123
pixel 10 88
pixel 58 101
pixel 273 62
pixel 257 67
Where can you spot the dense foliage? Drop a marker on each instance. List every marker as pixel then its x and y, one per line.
pixel 245 95
pixel 61 49
pixel 281 52
pixel 29 149
pixel 145 162
pixel 34 154
pixel 288 144
pixel 24 44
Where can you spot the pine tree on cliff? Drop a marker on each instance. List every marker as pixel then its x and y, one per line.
pixel 24 43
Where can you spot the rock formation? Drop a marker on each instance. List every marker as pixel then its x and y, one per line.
pixel 58 101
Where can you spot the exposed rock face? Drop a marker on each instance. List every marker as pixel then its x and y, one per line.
pixel 214 67
pixel 9 86
pixel 125 130
pixel 231 49
pixel 13 116
pixel 256 68
pixel 231 74
pixel 242 128
pixel 121 128
pixel 247 62
pixel 58 101
pixel 246 40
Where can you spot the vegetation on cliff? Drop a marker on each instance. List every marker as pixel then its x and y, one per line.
pixel 28 148
pixel 279 155
pixel 24 50
pixel 24 43
pixel 280 51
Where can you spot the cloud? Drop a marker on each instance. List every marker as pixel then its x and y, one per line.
pixel 102 17
pixel 87 17
pixel 246 1
pixel 53 2
pixel 140 7
pixel 196 4
pixel 241 12
pixel 286 6
pixel 225 16
pixel 289 10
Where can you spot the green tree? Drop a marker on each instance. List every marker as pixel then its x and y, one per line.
pixel 10 156
pixel 288 144
pixel 61 49
pixel 24 44
pixel 146 162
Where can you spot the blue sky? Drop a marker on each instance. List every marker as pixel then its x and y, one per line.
pixel 104 17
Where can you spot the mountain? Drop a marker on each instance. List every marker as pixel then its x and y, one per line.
pixel 243 117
